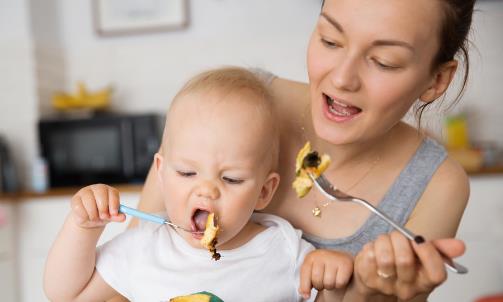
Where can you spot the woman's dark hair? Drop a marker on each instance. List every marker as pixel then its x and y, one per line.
pixel 454 29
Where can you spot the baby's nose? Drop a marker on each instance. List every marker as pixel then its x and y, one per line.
pixel 207 189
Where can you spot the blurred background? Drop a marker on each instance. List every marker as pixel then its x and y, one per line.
pixel 104 71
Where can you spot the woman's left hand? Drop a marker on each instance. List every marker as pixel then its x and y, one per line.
pixel 393 265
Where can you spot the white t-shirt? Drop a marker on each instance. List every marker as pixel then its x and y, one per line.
pixel 153 263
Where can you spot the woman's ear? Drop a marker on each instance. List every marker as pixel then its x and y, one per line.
pixel 440 82
pixel 267 191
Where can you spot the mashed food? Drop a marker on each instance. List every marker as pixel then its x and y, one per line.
pixel 209 240
pixel 308 162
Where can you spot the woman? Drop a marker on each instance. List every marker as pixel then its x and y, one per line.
pixel 369 62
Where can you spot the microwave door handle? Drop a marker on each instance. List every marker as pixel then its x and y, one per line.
pixel 127 148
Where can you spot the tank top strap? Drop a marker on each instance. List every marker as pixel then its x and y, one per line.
pixel 403 195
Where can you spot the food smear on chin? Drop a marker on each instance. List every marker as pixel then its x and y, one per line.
pixel 209 240
pixel 308 162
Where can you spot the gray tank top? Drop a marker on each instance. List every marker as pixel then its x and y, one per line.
pixel 397 203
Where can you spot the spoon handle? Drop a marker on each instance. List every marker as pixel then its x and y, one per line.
pixel 141 215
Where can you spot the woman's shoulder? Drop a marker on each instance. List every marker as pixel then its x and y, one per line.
pixel 290 98
pixel 443 201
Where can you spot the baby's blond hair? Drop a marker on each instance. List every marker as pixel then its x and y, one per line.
pixel 229 80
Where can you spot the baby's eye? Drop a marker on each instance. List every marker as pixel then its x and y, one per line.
pixel 232 181
pixel 186 173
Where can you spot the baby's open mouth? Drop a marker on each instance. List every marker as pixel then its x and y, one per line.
pixel 199 219
pixel 339 108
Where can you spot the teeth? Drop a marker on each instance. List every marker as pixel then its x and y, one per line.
pixel 340 113
pixel 331 100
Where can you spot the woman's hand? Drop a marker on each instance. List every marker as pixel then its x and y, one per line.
pixel 325 270
pixel 96 205
pixel 393 265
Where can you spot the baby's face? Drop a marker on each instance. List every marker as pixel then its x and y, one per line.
pixel 215 160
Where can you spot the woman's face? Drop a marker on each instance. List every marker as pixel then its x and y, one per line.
pixel 368 62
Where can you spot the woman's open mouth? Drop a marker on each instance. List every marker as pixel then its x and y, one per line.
pixel 338 110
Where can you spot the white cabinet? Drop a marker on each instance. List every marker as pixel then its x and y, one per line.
pixel 39 220
pixel 482 230
pixel 8 274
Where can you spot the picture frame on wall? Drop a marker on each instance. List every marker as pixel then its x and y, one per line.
pixel 124 17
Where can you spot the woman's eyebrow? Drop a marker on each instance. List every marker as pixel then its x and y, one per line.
pixel 375 43
pixel 393 43
pixel 333 22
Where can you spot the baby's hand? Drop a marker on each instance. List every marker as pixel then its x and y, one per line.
pixel 96 205
pixel 325 269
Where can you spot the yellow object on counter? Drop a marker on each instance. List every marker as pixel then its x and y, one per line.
pixel 457 132
pixel 82 99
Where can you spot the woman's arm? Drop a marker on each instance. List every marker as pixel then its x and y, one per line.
pixel 415 270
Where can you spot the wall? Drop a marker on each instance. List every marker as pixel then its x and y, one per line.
pixel 481 101
pixel 18 112
pixel 147 70
pixel 60 47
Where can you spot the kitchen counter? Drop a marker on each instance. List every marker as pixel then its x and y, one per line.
pixel 136 188
pixel 69 191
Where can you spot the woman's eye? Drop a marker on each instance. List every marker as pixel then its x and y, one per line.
pixel 329 44
pixel 385 66
pixel 186 173
pixel 232 181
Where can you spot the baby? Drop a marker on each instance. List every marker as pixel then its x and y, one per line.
pixel 219 155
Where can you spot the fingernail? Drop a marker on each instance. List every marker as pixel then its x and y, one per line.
pixel 419 239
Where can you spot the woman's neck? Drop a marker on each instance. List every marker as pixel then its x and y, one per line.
pixel 358 153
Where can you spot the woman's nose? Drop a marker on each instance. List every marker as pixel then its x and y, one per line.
pixel 208 190
pixel 344 75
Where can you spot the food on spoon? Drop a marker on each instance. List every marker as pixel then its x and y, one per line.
pixel 209 240
pixel 308 162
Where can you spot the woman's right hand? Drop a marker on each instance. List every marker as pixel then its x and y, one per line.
pixel 393 265
pixel 96 205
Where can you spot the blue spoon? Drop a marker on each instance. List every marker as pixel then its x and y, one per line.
pixel 149 217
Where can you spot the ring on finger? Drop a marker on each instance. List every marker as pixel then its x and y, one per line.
pixel 384 275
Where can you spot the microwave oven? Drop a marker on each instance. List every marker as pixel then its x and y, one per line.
pixel 106 148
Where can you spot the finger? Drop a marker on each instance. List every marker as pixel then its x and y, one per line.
pixel 405 258
pixel 450 247
pixel 385 256
pixel 330 277
pixel 78 209
pixel 305 278
pixel 114 203
pixel 344 273
pixel 431 261
pixel 89 203
pixel 317 274
pixel 101 196
pixel 366 266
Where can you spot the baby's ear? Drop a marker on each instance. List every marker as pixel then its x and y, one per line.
pixel 267 192
pixel 159 165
